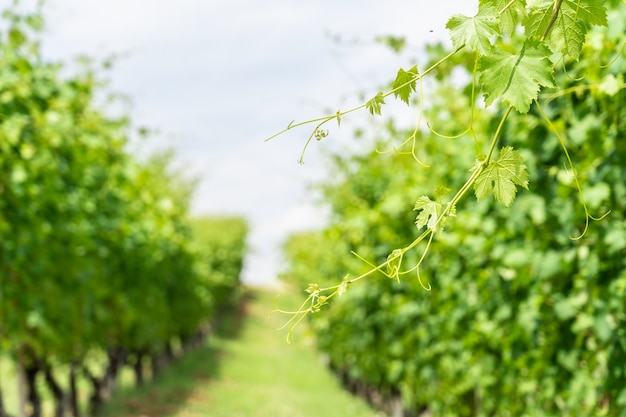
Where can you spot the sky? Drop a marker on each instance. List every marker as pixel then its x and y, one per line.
pixel 214 78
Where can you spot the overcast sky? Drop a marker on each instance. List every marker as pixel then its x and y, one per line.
pixel 215 78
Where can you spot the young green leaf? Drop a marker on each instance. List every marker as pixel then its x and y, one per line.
pixel 375 103
pixel 500 177
pixel 476 32
pixel 431 212
pixel 509 12
pixel 565 32
pixel 516 77
pixel 404 83
pixel 428 212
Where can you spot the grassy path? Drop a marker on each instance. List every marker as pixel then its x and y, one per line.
pixel 246 370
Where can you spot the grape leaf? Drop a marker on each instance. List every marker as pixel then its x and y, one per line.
pixel 404 83
pixel 509 13
pixel 516 78
pixel 500 177
pixel 592 12
pixel 375 103
pixel 428 215
pixel 431 212
pixel 476 32
pixel 568 31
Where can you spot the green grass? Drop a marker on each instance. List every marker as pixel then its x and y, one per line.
pixel 246 369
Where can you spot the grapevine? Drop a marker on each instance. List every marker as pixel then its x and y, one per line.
pixel 518 47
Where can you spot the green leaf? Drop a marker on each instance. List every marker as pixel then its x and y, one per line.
pixel 509 13
pixel 476 32
pixel 428 214
pixel 567 32
pixel 404 83
pixel 375 103
pixel 431 212
pixel 500 177
pixel 516 77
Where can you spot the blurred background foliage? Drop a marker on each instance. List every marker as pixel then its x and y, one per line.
pixel 99 254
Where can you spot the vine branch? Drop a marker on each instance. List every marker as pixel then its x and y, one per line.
pixel 321 121
pixel 320 296
pixel 555 14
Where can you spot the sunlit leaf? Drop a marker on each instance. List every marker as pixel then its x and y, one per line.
pixel 500 177
pixel 509 13
pixel 431 213
pixel 404 84
pixel 569 27
pixel 516 77
pixel 476 32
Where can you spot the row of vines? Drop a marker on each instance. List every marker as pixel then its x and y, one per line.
pixel 101 266
pixel 515 311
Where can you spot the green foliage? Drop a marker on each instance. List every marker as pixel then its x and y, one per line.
pixel 220 245
pixel 404 84
pixel 565 24
pixel 516 78
pixel 97 250
pixel 375 104
pixel 433 213
pixel 511 68
pixel 509 13
pixel 501 176
pixel 475 32
pixel 526 310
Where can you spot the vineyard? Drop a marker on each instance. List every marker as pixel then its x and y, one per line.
pixel 101 265
pixel 474 262
pixel 512 303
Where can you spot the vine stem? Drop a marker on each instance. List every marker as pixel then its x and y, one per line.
pixel 325 119
pixel 555 14
pixel 506 7
pixel 483 164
